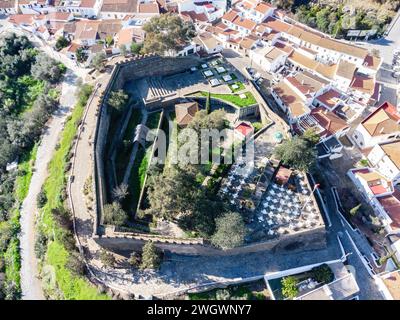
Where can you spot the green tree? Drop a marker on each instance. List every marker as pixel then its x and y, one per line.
pixel 123 50
pixel 136 48
pixel 322 274
pixel 289 287
pixel 151 258
pixel 166 33
pixel 311 137
pixel 107 258
pixel 230 231
pixel 81 55
pixel 208 106
pixel 62 42
pixel 98 61
pixel 46 68
pixel 134 259
pixel 118 100
pixel 296 153
pixel 114 214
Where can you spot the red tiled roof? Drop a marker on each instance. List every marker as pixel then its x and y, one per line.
pixel 329 98
pixel 329 121
pixel 391 204
pixel 244 128
pixel 230 15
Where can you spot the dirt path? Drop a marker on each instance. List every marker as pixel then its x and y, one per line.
pixel 30 284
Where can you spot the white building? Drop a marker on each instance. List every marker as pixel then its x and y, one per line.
pixel 82 8
pixel 385 158
pixel 35 7
pixel 381 126
pixel 269 58
pixel 203 10
pixel 8 7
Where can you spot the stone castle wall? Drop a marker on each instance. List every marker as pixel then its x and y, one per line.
pixel 311 239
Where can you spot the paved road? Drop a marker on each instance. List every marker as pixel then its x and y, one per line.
pixel 31 286
pixel 368 288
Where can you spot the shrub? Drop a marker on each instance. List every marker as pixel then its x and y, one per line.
pixel 41 198
pixel 289 287
pixel 222 294
pixel 134 259
pixel 107 258
pixel 231 231
pixel 151 258
pixel 75 264
pixel 114 214
pixel 322 274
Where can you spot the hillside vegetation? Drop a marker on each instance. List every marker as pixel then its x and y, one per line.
pixel 28 96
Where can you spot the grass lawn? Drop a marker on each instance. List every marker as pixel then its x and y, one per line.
pixel 239 84
pixel 153 119
pixel 123 153
pixel 233 98
pixel 72 286
pixel 24 178
pixel 134 186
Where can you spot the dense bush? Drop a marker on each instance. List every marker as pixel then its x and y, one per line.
pixel 322 274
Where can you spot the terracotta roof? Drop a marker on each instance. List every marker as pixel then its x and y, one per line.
pixel 363 83
pixel 307 83
pixel 86 29
pixel 185 112
pixel 328 71
pixel 291 99
pixel 346 69
pixel 300 59
pixel 392 150
pixel 244 23
pixel 328 120
pixel 263 7
pixel 87 3
pixel 244 128
pixel 274 53
pixel 149 8
pixel 127 6
pixel 7 4
pixel 392 283
pixel 73 47
pixel 372 62
pixel 295 31
pixel 310 37
pixel 391 204
pixel 21 19
pixel 277 25
pixel 248 42
pixel 128 35
pixel 195 16
pixel 109 28
pixel 284 46
pixel 339 46
pixel 230 15
pixel 384 120
pixel 330 98
pixel 59 16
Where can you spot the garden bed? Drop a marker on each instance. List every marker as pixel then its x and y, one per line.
pixel 232 98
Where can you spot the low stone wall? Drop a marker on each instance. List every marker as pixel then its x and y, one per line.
pixel 311 239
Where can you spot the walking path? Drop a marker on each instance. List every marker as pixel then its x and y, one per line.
pixel 30 284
